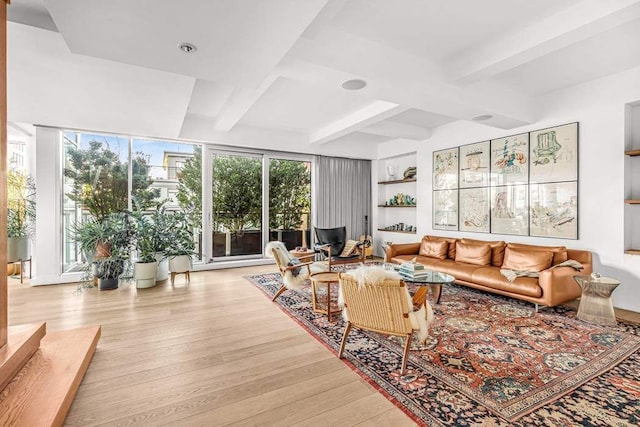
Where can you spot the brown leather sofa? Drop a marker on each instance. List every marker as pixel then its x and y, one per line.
pixel 477 264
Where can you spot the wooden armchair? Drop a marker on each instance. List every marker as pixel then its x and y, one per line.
pixel 294 273
pixel 331 243
pixel 376 300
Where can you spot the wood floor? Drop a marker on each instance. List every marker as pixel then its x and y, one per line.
pixel 217 352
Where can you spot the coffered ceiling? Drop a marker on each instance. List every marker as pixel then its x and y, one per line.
pixel 268 73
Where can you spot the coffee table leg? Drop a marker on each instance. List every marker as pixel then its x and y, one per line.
pixel 420 296
pixel 437 292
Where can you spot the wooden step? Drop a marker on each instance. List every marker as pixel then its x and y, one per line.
pixel 42 392
pixel 22 342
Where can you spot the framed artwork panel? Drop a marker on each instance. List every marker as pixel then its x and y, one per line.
pixel 510 209
pixel 445 210
pixel 445 169
pixel 554 154
pixel 474 209
pixel 554 210
pixel 510 160
pixel 475 164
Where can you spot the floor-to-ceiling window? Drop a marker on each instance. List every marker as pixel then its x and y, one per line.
pixel 237 194
pixel 290 202
pixel 236 200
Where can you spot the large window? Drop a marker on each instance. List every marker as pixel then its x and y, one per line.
pixel 290 202
pixel 101 178
pixel 105 174
pixel 236 189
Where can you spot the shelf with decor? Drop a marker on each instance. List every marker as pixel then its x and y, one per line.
pixel 396 211
pixel 632 179
pixel 397 181
pixel 397 231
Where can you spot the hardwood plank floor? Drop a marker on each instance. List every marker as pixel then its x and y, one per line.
pixel 215 352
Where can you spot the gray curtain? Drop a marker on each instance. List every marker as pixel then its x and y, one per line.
pixel 343 194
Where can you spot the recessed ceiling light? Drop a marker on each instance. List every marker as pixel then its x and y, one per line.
pixel 187 47
pixel 482 118
pixel 355 84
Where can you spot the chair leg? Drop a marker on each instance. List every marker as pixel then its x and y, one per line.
pixel 280 291
pixel 405 356
pixel 347 329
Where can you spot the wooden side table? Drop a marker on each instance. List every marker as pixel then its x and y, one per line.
pixel 307 255
pixel 325 307
pixel 595 303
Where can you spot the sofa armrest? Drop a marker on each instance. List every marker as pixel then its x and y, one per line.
pixel 583 257
pixel 394 250
pixel 558 284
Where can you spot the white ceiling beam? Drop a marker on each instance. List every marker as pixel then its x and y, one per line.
pixel 579 22
pixel 239 103
pixel 402 78
pixel 373 113
pixel 398 130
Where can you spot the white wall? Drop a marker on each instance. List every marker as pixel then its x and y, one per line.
pixel 599 107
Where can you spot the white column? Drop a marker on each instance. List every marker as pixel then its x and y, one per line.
pixel 47 254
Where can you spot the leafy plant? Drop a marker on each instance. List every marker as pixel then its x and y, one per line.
pixel 21 204
pixel 181 230
pixel 114 232
pixel 153 233
pixel 289 193
pixel 100 180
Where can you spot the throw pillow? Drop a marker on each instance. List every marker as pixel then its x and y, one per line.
pixel 526 260
pixel 559 252
pixel 452 244
pixel 349 248
pixel 497 249
pixel 434 249
pixel 473 254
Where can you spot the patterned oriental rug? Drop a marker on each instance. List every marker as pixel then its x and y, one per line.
pixel 492 361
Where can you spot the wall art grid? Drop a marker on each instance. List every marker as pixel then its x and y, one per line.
pixel 525 184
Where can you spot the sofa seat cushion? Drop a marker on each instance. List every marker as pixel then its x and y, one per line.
pixel 473 254
pixel 497 249
pixel 492 278
pixel 559 252
pixel 459 270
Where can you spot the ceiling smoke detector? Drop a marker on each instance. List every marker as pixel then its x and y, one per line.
pixel 187 47
pixel 355 84
pixel 482 118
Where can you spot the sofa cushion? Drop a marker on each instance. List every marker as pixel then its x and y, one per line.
pixel 452 244
pixel 526 260
pixel 473 254
pixel 559 252
pixel 492 278
pixel 434 248
pixel 497 249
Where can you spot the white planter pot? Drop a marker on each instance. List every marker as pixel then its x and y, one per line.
pixel 17 248
pixel 180 264
pixel 145 274
pixel 163 268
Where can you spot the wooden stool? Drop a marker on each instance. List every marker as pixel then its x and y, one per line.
pixel 186 273
pixel 325 278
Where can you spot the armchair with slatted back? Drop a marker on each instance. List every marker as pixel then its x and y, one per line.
pixel 294 273
pixel 377 300
pixel 336 248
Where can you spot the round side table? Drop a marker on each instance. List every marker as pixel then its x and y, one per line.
pixel 595 303
pixel 307 255
pixel 320 305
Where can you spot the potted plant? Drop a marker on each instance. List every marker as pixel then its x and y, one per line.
pixel 146 266
pixel 106 245
pixel 21 214
pixel 182 246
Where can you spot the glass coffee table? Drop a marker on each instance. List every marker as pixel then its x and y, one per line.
pixel 434 280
